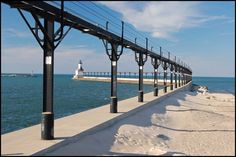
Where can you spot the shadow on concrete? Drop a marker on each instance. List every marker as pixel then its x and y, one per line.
pixel 111 128
pixel 60 138
pixel 198 110
pixel 12 154
pixel 184 130
pixel 133 154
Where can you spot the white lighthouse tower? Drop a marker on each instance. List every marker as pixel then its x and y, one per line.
pixel 79 71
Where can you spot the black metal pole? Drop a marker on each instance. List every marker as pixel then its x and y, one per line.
pixel 165 78
pixel 140 87
pixel 141 58
pixel 155 62
pixel 47 127
pixel 171 79
pixel 184 78
pixel 175 77
pixel 113 106
pixel 179 78
pixel 155 82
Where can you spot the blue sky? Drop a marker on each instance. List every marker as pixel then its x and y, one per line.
pixel 202 34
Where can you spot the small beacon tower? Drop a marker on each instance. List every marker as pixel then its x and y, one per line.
pixel 79 71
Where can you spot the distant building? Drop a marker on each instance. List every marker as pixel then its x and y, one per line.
pixel 79 71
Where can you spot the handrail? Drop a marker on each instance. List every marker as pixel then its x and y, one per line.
pixel 46 10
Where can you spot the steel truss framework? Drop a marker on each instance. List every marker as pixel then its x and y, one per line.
pixel 113 43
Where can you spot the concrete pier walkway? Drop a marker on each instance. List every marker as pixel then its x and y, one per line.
pixel 28 141
pixel 123 80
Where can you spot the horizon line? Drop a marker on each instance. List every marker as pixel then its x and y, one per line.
pixel 103 71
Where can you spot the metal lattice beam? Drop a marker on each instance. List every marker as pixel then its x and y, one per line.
pixel 48 11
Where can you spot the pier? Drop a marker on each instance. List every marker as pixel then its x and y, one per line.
pixel 123 80
pixel 27 141
pixel 71 128
pixel 123 77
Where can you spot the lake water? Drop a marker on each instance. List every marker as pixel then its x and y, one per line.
pixel 21 97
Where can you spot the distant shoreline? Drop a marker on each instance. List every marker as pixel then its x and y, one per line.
pixel 8 73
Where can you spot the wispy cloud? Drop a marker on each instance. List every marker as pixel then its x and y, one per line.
pixel 231 20
pixel 162 19
pixel 22 59
pixel 15 33
pixel 27 58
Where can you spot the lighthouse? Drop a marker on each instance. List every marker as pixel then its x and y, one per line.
pixel 79 71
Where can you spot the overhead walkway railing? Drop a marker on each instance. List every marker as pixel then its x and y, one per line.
pixel 114 45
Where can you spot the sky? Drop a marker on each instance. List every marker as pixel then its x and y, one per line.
pixel 202 34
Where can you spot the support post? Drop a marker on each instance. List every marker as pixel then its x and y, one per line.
pixel 184 78
pixel 155 62
pixel 114 55
pixel 49 43
pixel 140 85
pixel 175 76
pixel 155 82
pixel 113 105
pixel 165 79
pixel 171 77
pixel 165 65
pixel 141 58
pixel 179 76
pixel 175 68
pixel 47 126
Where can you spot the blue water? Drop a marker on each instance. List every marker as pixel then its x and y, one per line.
pixel 21 97
pixel 217 84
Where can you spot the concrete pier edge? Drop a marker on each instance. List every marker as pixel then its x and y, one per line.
pixel 55 144
pixel 111 122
